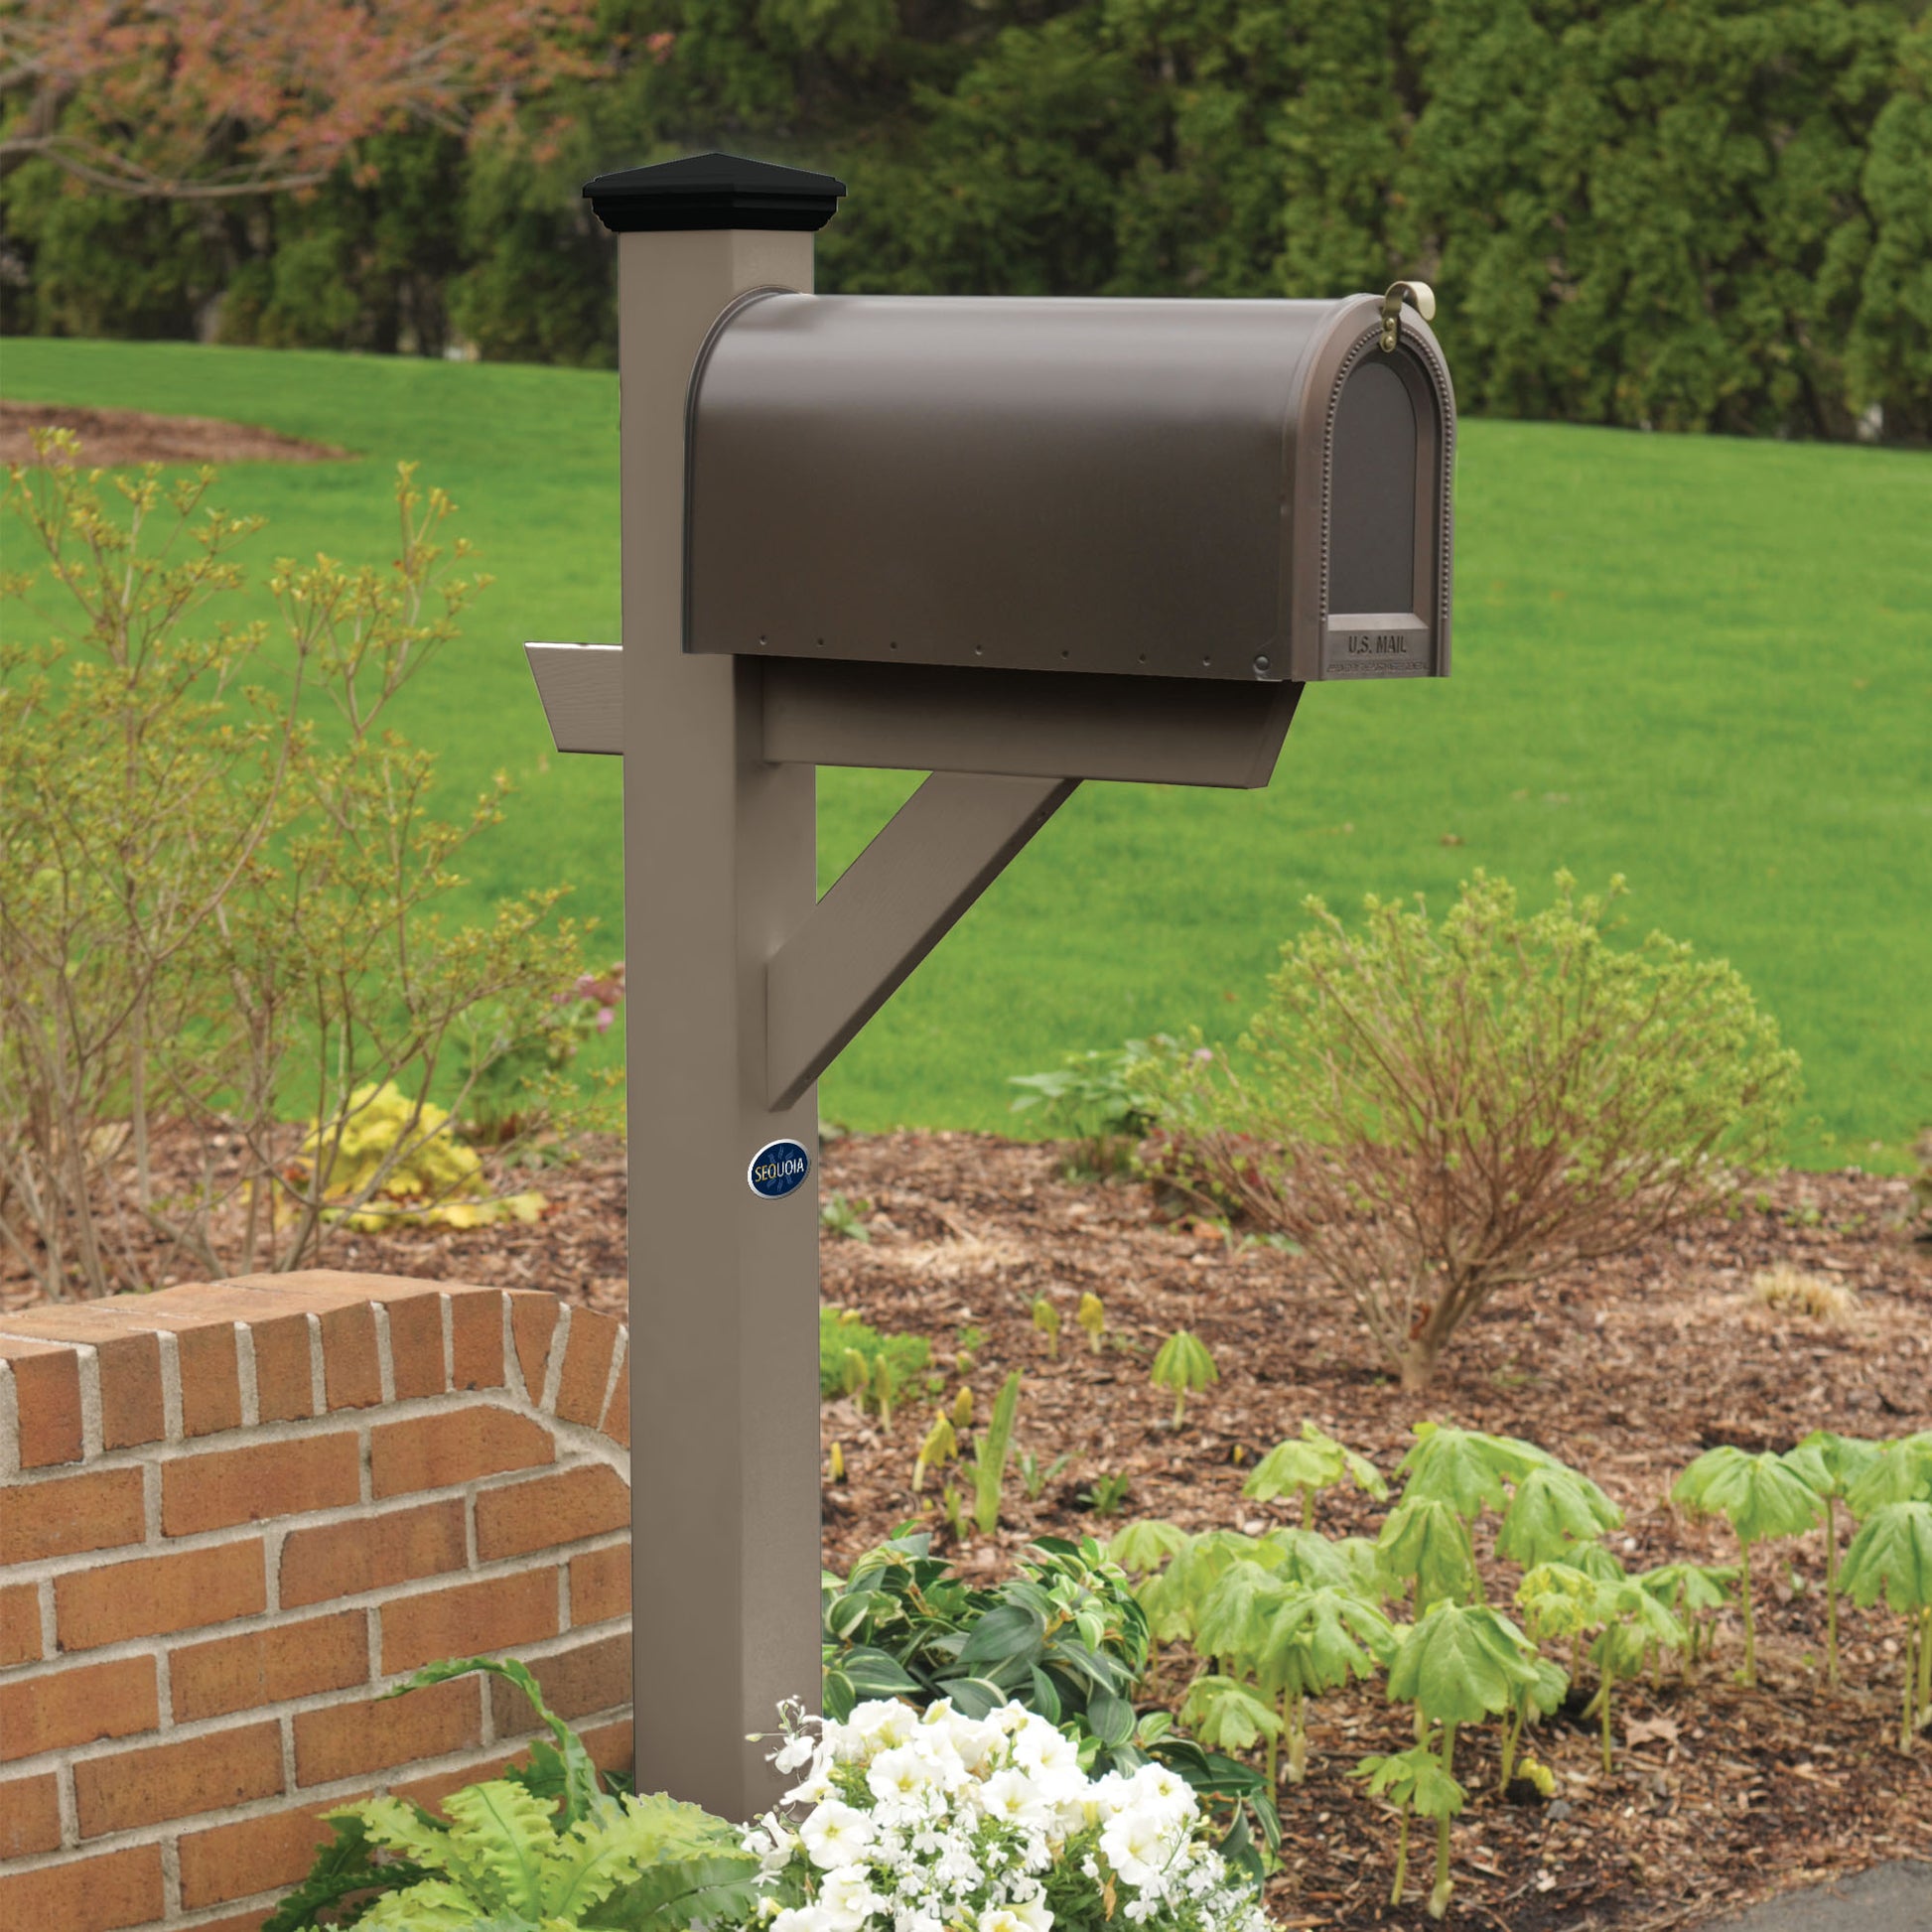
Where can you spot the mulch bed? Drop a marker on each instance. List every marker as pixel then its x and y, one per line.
pixel 118 437
pixel 1719 1795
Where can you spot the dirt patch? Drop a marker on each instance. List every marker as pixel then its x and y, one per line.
pixel 1719 1796
pixel 116 437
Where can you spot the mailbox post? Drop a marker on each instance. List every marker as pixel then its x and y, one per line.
pixel 1011 545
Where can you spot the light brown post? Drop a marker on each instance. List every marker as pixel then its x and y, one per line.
pixel 719 860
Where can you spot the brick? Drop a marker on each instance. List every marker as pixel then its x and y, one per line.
pixel 613 1746
pixel 20 1624
pixel 90 1894
pixel 220 1488
pixel 616 1411
pixel 533 1320
pixel 47 1387
pixel 255 1855
pixel 257 1667
pixel 371 1552
pixel 152 1596
pixel 345 1740
pixel 416 1345
pixel 593 1341
pixel 30 1816
pixel 593 1676
pixel 600 1586
pixel 58 1709
pixel 476 1341
pixel 284 1367
pixel 130 1366
pixel 352 1372
pixel 548 1510
pixel 63 1515
pixel 124 1789
pixel 469 1619
pixel 458 1445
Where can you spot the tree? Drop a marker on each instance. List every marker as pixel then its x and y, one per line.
pixel 249 97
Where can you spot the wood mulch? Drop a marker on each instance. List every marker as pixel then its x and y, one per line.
pixel 118 437
pixel 1719 1795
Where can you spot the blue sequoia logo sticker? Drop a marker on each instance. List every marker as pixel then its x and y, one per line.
pixel 777 1169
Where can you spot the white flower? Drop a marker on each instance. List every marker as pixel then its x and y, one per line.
pixel 1049 1755
pixel 901 1776
pixel 1162 1790
pixel 795 1751
pixel 1012 1798
pixel 802 1918
pixel 834 1834
pixel 848 1899
pixel 1033 1913
pixel 1138 1844
pixel 885 1723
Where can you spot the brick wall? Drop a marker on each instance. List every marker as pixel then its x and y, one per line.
pixel 230 1515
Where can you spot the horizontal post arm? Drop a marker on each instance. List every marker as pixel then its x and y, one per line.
pixel 894 903
pixel 582 688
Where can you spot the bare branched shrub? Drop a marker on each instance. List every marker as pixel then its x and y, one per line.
pixel 220 884
pixel 1436 1111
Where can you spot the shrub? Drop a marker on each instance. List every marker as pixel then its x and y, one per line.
pixel 1435 1112
pixel 220 887
pixel 1104 1100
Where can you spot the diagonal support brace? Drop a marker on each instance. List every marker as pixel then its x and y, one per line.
pixel 894 903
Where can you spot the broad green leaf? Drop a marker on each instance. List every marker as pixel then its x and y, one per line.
pixel 1459 1663
pixel 1413 1779
pixel 1902 1474
pixel 1183 1364
pixel 1304 1557
pixel 1230 1624
pixel 1014 1631
pixel 1465 1468
pixel 1828 1465
pixel 1425 1539
pixel 1227 1716
pixel 1892 1555
pixel 500 1839
pixel 1315 1640
pixel 1690 1587
pixel 1142 1547
pixel 1552 1510
pixel 1757 1495
pixel 433 1905
pixel 1314 1462
pixel 1558 1600
pixel 1110 1717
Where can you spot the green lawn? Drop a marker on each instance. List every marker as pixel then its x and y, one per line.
pixel 1703 664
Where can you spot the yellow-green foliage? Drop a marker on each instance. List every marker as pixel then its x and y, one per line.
pixel 397 1161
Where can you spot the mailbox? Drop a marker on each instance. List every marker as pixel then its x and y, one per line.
pixel 1250 490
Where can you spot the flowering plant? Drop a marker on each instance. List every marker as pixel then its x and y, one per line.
pixel 924 1821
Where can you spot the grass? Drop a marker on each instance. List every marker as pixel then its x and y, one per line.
pixel 1700 662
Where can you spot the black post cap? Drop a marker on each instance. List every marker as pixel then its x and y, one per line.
pixel 713 190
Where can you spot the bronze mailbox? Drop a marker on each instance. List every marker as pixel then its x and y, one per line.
pixel 1252 490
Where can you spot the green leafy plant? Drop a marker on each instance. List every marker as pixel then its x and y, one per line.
pixel 1108 1491
pixel 1457 1664
pixel 1182 1364
pixel 545 1847
pixel 1695 1594
pixel 1046 1318
pixel 1307 1467
pixel 1092 1317
pixel 990 1454
pixel 938 1447
pixel 1892 1557
pixel 1437 1111
pixel 837 1214
pixel 1100 1098
pixel 840 1330
pixel 1829 1465
pixel 1034 1476
pixel 1761 1499
pixel 1416 1783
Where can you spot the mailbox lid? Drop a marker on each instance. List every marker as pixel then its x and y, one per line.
pixel 1099 485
